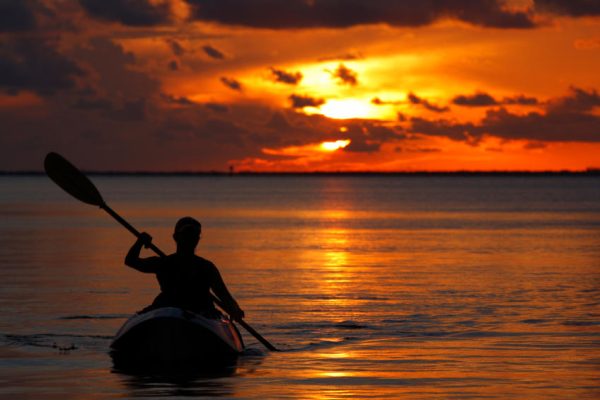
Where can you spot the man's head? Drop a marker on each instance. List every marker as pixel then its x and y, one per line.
pixel 187 234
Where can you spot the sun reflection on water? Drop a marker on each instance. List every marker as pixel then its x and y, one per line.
pixel 336 355
pixel 335 374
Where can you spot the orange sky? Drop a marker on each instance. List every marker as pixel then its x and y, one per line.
pixel 301 85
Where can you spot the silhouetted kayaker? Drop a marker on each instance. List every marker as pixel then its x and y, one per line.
pixel 185 279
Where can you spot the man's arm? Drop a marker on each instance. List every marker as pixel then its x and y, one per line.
pixel 220 290
pixel 133 260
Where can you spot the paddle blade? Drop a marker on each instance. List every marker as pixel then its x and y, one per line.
pixel 71 180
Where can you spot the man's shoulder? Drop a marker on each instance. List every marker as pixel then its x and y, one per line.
pixel 204 261
pixel 206 266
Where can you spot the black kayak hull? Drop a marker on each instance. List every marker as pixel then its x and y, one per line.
pixel 171 335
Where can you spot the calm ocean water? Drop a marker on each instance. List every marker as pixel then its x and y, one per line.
pixel 375 287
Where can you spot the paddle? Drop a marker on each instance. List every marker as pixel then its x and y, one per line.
pixel 74 182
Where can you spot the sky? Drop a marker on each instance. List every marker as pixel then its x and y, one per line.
pixel 301 85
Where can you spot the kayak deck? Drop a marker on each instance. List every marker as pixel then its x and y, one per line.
pixel 173 335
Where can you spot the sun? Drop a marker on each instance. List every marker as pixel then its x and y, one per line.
pixel 333 146
pixel 349 108
pixel 310 149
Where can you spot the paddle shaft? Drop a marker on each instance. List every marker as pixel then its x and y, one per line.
pixel 252 332
pixel 130 228
pixel 158 251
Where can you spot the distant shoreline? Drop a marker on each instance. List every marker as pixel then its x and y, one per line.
pixel 589 172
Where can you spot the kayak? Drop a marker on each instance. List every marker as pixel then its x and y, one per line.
pixel 173 335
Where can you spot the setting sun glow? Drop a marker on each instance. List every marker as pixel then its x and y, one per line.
pixel 496 85
pixel 348 108
pixel 333 146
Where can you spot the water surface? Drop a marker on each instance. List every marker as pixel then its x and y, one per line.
pixel 375 287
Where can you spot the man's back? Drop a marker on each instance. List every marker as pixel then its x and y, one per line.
pixel 185 282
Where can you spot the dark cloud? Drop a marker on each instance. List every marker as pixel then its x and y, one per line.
pixel 277 14
pixel 232 83
pixel 442 127
pixel 301 101
pixel 345 75
pixel 567 119
pixel 279 122
pixel 535 145
pixel 286 128
pixel 414 99
pixel 115 74
pixel 291 78
pixel 16 16
pixel 34 64
pixel 246 130
pixel 220 108
pixel 134 110
pixel 381 133
pixel 552 126
pixel 176 47
pixel 45 17
pixel 213 53
pixel 521 99
pixel 219 130
pixel 363 146
pixel 151 135
pixel 125 110
pixel 129 12
pixel 115 90
pixel 579 100
pixel 89 102
pixel 401 149
pixel 173 65
pixel 478 99
pixel 182 101
pixel 481 99
pixel 573 8
pixel 368 136
pixel 293 128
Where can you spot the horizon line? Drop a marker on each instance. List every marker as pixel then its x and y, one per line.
pixel 587 171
